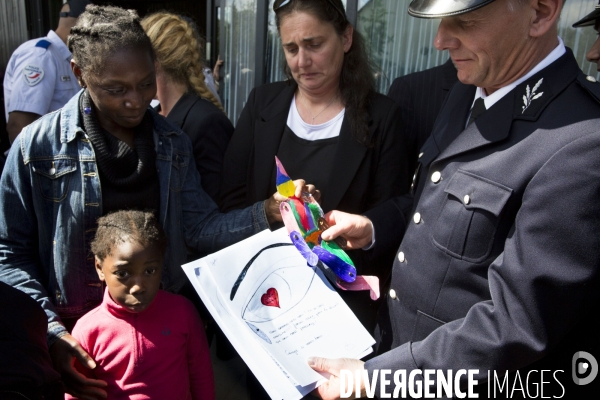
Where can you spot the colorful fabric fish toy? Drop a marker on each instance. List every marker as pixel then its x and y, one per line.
pixel 285 186
pixel 304 221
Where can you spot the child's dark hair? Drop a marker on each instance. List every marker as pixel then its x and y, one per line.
pixel 100 31
pixel 127 225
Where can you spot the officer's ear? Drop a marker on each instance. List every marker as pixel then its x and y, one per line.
pixel 546 17
pixel 78 73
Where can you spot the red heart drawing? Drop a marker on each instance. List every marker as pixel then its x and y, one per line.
pixel 271 298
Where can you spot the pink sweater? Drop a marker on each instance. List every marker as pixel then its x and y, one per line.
pixel 159 353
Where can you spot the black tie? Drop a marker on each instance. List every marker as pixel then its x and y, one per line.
pixel 477 110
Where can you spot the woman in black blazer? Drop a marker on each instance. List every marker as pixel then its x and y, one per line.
pixel 326 124
pixel 185 100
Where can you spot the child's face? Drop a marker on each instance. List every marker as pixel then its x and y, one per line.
pixel 132 274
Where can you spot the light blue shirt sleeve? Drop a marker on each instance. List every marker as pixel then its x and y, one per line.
pixel 34 76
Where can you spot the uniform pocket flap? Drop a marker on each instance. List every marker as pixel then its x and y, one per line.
pixel 477 192
pixel 54 168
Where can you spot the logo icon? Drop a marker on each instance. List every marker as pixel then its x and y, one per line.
pixel 584 367
pixel 33 74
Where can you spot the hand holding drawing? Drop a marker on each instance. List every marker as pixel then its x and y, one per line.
pixel 331 390
pixel 356 229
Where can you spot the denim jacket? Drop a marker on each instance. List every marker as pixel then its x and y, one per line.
pixel 50 199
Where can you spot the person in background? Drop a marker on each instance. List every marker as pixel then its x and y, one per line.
pixel 420 96
pixel 325 123
pixel 184 97
pixel 213 76
pixel 104 151
pixel 498 265
pixel 592 19
pixel 137 321
pixel 38 77
pixel 209 76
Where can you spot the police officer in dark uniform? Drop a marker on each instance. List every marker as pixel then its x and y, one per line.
pixel 592 19
pixel 498 265
pixel 38 77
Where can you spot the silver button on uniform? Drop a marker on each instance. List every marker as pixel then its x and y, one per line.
pixel 421 155
pixel 466 199
pixel 392 294
pixel 436 177
pixel 401 257
pixel 417 218
pixel 590 78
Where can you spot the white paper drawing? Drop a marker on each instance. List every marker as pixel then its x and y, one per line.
pixel 277 311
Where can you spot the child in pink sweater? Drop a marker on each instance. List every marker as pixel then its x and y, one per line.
pixel 147 343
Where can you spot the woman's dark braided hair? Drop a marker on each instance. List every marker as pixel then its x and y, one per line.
pixel 357 82
pixel 101 31
pixel 126 226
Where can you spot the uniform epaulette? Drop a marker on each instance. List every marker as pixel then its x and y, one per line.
pixel 590 84
pixel 43 43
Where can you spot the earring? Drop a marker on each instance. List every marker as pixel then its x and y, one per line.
pixel 87 110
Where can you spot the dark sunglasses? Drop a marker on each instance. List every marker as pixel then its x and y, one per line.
pixel 281 3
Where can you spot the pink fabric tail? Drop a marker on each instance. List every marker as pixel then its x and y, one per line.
pixel 288 218
pixel 362 282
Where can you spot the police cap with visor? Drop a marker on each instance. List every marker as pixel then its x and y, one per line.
pixel 589 19
pixel 443 8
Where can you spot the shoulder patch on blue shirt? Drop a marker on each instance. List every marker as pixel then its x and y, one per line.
pixel 33 74
pixel 43 43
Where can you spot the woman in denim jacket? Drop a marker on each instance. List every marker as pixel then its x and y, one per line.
pixel 104 151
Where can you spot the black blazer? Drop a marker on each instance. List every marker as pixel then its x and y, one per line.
pixel 420 97
pixel 362 177
pixel 501 270
pixel 210 130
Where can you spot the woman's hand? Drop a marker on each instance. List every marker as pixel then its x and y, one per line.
pixel 332 389
pixel 64 352
pixel 272 203
pixel 356 229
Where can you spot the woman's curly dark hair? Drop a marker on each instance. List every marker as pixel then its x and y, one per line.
pixel 357 83
pixel 101 31
pixel 127 226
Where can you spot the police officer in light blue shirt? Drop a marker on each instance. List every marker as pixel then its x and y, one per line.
pixel 38 76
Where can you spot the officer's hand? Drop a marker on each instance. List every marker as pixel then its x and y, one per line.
pixel 356 229
pixel 331 389
pixel 64 352
pixel 272 203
